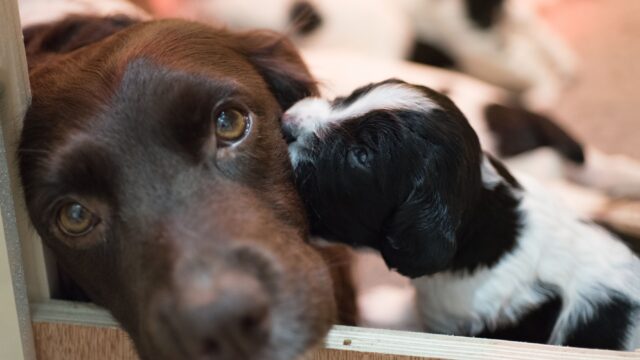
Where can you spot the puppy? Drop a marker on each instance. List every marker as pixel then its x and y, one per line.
pixel 397 167
pixel 504 42
pixel 154 167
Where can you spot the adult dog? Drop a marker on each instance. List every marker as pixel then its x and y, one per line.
pixel 154 168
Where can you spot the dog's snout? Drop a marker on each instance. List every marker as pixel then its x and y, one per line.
pixel 223 317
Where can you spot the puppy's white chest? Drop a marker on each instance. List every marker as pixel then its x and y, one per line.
pixel 468 304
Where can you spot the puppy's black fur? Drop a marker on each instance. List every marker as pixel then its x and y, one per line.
pixel 484 13
pixel 407 177
pixel 395 214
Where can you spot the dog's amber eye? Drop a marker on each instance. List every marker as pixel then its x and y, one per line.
pixel 75 220
pixel 231 125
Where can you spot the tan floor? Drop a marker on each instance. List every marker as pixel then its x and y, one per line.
pixel 603 106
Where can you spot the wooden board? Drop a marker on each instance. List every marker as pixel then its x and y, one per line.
pixel 11 329
pixel 14 99
pixel 60 341
pixel 82 331
pixel 63 341
pixel 16 339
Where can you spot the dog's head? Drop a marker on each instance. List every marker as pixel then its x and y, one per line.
pixel 154 167
pixel 392 166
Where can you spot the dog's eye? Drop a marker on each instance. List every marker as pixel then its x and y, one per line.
pixel 231 125
pixel 75 220
pixel 359 156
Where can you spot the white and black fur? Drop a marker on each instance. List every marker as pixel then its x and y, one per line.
pixel 504 42
pixel 398 168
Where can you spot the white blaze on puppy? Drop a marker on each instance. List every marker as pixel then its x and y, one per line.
pixel 312 114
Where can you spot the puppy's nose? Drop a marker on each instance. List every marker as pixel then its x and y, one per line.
pixel 289 129
pixel 228 318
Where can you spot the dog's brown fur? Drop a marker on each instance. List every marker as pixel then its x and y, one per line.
pixel 122 125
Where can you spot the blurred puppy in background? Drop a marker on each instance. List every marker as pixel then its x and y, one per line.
pixel 504 42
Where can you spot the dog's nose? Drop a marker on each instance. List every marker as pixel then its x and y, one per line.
pixel 227 318
pixel 289 131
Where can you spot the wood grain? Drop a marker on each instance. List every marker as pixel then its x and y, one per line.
pixel 66 330
pixel 14 100
pixel 16 340
pixel 61 341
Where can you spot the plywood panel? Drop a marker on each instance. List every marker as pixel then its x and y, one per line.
pixel 63 341
pixel 66 341
pixel 14 99
pixel 60 341
pixel 16 341
pixel 82 331
pixel 331 354
pixel 10 334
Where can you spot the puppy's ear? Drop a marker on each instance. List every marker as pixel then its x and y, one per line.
pixel 420 237
pixel 278 61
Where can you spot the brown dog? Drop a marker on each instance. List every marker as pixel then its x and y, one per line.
pixel 154 167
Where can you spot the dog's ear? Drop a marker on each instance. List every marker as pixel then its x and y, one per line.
pixel 420 236
pixel 278 61
pixel 69 34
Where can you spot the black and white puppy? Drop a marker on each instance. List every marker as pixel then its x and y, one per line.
pixel 505 42
pixel 398 168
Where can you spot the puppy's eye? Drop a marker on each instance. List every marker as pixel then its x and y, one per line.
pixel 359 156
pixel 75 220
pixel 231 125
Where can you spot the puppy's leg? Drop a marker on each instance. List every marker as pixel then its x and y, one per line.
pixel 546 165
pixel 622 217
pixel 537 144
pixel 609 324
pixel 617 175
pixel 610 176
pixel 552 52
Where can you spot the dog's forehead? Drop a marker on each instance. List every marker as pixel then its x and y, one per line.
pixel 144 129
pixel 144 80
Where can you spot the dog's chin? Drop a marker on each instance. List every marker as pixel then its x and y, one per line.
pixel 282 343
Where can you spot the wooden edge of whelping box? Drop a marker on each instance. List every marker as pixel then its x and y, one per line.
pixel 87 331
